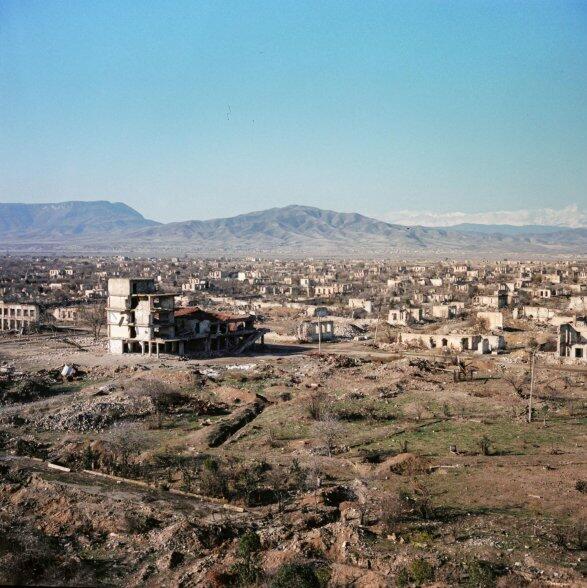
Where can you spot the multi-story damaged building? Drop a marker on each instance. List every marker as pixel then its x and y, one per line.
pixel 18 317
pixel 144 320
pixel 140 319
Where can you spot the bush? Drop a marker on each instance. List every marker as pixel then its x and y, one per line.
pixel 421 572
pixel 485 445
pixel 24 391
pixel 420 499
pixel 300 575
pixel 393 511
pixel 212 480
pixel 403 578
pixel 248 544
pixel 481 574
pixel 246 571
pixel 581 486
pixel 316 406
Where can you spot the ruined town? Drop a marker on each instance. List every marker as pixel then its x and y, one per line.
pixel 293 293
pixel 192 421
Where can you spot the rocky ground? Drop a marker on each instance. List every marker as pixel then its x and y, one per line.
pixel 355 467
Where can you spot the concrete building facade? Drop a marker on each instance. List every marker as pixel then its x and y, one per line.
pixel 140 319
pixel 18 317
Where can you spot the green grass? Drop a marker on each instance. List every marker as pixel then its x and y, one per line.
pixel 507 436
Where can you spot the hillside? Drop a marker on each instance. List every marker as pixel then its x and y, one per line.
pixel 23 222
pixel 101 226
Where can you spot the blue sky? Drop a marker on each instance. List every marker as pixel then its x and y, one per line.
pixel 202 109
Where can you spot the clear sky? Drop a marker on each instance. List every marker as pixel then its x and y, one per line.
pixel 202 109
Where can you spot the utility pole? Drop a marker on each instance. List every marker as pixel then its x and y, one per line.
pixel 531 387
pixel 319 334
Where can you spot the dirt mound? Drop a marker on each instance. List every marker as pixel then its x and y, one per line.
pixel 401 464
pixel 232 395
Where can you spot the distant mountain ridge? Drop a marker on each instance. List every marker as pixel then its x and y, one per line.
pixel 105 227
pixel 68 218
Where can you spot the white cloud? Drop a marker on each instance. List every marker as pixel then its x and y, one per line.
pixel 570 216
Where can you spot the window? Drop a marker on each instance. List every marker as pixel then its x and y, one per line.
pixel 578 352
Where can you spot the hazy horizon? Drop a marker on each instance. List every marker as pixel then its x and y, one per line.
pixel 570 217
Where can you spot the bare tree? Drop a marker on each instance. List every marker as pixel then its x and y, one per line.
pixel 163 397
pixel 95 317
pixel 518 383
pixel 125 443
pixel 329 430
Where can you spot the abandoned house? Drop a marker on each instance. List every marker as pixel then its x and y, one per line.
pixel 18 317
pixel 459 342
pixel 210 332
pixel 499 300
pixel 539 313
pixel 404 316
pixel 492 320
pixel 68 314
pixel 446 311
pixel 313 331
pixel 361 304
pixel 572 340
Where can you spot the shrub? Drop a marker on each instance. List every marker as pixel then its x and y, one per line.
pixel 481 574
pixel 247 482
pixel 485 445
pixel 421 572
pixel 297 475
pixel 212 480
pixel 246 570
pixel 323 574
pixel 403 578
pixel 420 499
pixel 581 486
pixel 316 406
pixel 393 511
pixel 329 430
pixel 300 575
pixel 248 544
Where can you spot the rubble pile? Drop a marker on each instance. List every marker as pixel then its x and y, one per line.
pixel 97 414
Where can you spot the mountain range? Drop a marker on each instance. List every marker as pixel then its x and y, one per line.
pixel 106 227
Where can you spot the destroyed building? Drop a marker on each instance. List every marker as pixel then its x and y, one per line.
pixel 143 320
pixel 209 332
pixel 312 331
pixel 140 319
pixel 404 316
pixel 457 342
pixel 572 340
pixel 492 320
pixel 18 317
